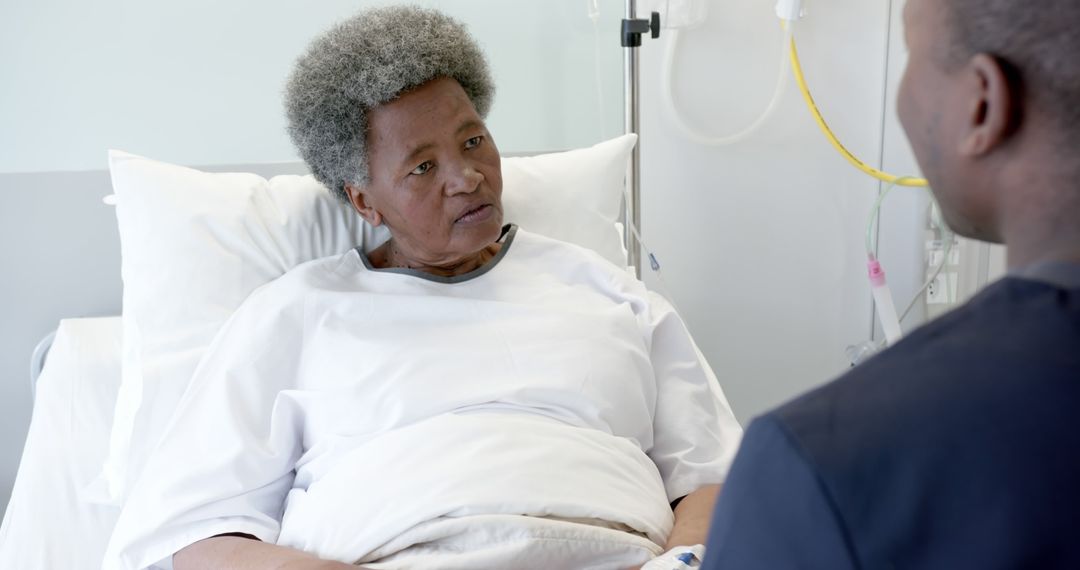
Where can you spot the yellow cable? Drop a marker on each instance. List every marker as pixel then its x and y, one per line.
pixel 884 176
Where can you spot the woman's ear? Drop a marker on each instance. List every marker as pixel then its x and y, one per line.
pixel 359 200
pixel 992 107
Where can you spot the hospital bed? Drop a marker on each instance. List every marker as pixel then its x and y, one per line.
pixel 75 375
pixel 76 372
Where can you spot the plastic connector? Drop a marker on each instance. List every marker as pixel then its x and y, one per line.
pixel 633 29
pixel 790 10
pixel 875 273
pixel 883 302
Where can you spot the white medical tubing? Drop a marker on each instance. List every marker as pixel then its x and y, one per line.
pixel 883 301
pixel 949 239
pixel 654 264
pixel 741 135
pixel 871 246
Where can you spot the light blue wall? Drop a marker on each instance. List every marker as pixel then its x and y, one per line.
pixel 199 81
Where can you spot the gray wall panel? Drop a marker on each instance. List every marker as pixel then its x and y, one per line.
pixel 60 258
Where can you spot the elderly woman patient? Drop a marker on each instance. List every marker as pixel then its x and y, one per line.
pixel 467 395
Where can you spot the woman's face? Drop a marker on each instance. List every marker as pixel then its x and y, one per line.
pixel 435 175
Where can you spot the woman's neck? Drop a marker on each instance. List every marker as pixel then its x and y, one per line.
pixel 388 256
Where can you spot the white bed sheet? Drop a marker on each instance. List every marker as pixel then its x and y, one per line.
pixel 48 524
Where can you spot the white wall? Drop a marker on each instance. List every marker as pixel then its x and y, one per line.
pixel 199 81
pixel 762 242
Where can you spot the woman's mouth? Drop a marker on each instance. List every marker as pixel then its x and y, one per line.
pixel 476 215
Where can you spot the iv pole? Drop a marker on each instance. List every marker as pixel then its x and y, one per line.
pixel 632 29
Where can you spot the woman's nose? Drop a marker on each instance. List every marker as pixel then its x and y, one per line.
pixel 464 180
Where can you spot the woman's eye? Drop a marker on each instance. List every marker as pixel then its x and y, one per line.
pixel 422 169
pixel 473 142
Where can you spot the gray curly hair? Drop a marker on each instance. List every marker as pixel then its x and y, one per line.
pixel 363 62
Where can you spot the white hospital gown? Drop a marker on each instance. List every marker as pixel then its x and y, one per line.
pixel 343 410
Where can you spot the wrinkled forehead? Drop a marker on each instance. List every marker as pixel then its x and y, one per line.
pixel 421 117
pixel 427 107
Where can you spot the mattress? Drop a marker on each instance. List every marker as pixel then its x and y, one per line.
pixel 48 524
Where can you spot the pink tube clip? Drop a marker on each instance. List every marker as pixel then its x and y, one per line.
pixel 877 274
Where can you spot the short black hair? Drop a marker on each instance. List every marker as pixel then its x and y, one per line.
pixel 1037 41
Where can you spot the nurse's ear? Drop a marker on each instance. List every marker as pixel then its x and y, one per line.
pixel 363 206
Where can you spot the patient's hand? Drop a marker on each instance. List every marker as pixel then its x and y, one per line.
pixel 326 565
pixel 232 552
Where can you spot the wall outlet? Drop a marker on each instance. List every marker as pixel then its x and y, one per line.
pixel 935 293
pixel 942 290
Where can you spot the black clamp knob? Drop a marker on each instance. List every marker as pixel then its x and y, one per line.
pixel 633 29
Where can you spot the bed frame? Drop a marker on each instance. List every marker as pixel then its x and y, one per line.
pixel 37 361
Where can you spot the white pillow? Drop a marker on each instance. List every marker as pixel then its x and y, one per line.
pixel 195 244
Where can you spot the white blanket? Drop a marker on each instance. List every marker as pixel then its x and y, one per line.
pixel 343 406
pixel 48 524
pixel 512 541
pixel 499 463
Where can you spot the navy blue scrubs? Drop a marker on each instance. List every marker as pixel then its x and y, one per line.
pixel 958 448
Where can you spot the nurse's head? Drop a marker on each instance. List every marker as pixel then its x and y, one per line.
pixel 991 103
pixel 387 109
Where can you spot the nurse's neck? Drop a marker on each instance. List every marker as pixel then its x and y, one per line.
pixel 390 256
